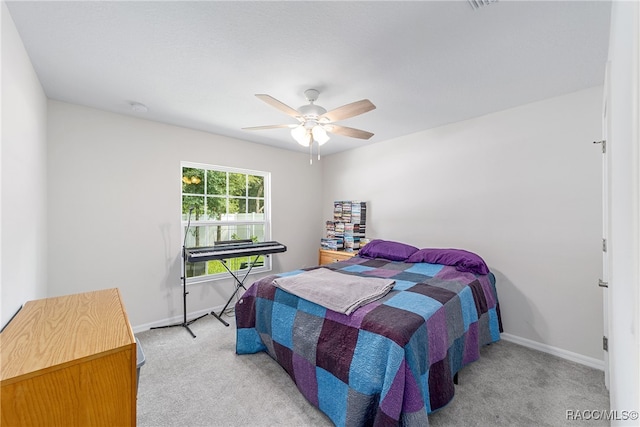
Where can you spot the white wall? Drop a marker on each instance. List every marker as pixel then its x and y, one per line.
pixel 23 176
pixel 521 187
pixel 114 207
pixel 623 143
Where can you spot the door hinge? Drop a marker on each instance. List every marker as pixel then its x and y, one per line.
pixel 604 144
pixel 605 343
pixel 603 284
pixel 604 245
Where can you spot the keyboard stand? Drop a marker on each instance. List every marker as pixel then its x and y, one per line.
pixel 185 324
pixel 238 284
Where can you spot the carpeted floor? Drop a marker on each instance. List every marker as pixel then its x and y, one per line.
pixel 202 382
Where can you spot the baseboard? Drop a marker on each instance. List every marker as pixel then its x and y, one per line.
pixel 173 320
pixel 568 355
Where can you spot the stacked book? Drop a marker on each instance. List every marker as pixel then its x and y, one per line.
pixel 348 225
pixel 331 244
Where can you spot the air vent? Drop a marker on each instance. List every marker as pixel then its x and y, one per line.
pixel 477 4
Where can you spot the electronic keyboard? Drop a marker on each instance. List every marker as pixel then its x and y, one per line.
pixel 232 249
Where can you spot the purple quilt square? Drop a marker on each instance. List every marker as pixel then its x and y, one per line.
pixel 354 319
pixel 439 294
pixel 305 378
pixel 265 289
pixel 375 263
pixel 440 384
pixel 471 345
pixel 403 395
pixel 392 401
pixel 478 297
pixel 348 320
pixel 284 356
pixel 438 336
pixel 246 312
pixel 391 322
pixel 336 345
pixel 450 273
pixel 384 420
pixel 488 290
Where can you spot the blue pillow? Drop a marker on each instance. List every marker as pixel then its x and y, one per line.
pixel 393 251
pixel 462 260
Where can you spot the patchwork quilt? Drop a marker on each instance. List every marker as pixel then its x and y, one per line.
pixel 392 361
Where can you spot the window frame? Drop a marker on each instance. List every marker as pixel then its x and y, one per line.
pixel 266 222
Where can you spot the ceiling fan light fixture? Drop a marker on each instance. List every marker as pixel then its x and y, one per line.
pixel 319 134
pixel 301 135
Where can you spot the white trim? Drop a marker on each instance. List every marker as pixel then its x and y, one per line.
pixel 565 354
pixel 175 319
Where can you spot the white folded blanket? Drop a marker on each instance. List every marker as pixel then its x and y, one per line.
pixel 343 293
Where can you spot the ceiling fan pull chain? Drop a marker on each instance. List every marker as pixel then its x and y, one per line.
pixel 311 152
pixel 318 151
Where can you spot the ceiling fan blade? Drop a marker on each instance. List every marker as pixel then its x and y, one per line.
pixel 347 111
pixel 279 105
pixel 270 127
pixel 347 131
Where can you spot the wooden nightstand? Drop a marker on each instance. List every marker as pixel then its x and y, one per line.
pixel 326 256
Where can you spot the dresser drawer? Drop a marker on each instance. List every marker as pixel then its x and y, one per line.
pixel 326 256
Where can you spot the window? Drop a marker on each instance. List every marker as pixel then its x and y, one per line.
pixel 226 204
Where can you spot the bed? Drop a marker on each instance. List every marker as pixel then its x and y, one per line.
pixel 390 361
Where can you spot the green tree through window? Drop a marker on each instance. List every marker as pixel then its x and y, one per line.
pixel 226 204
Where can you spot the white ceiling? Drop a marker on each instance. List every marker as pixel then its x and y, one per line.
pixel 422 63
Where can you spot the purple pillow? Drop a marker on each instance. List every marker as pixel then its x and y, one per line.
pixel 460 259
pixel 393 251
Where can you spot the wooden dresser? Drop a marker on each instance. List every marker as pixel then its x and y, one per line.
pixel 69 361
pixel 326 256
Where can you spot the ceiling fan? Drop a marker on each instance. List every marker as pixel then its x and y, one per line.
pixel 314 121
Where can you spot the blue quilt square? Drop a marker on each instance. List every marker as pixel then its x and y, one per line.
pixel 311 308
pixel 264 307
pixel 417 352
pixel 286 298
pixel 357 268
pixel 290 273
pixel 248 341
pixel 469 312
pixel 494 324
pixel 425 268
pixel 373 356
pixel 282 323
pixel 332 396
pixel 416 303
pixel 402 285
pixel 424 382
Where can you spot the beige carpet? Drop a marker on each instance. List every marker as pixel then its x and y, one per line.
pixel 202 382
